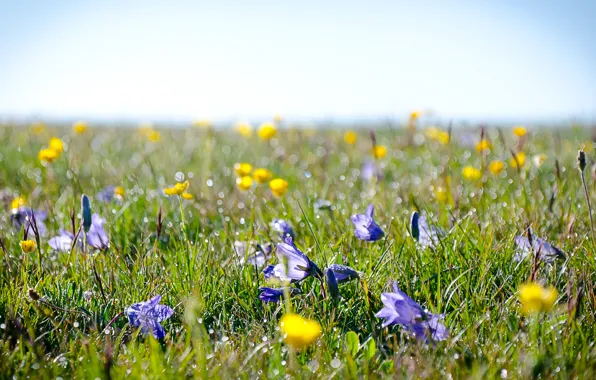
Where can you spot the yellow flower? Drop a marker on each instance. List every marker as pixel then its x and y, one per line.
pixel 496 167
pixel 28 246
pixel 262 175
pixel 483 145
pixel 153 136
pixel 244 183
pixel 202 123
pixel 244 129
pixel 350 137
pixel 38 127
pixel 471 173
pixel 539 159
pixel 119 191
pixel 177 189
pixel 379 151
pixel 17 203
pixel 187 196
pixel 277 118
pixel 79 127
pixel 521 159
pixel 243 168
pixel 441 194
pixel 534 298
pixel 267 131
pixel 414 116
pixel 278 186
pixel 56 144
pixel 299 332
pixel 443 137
pixel 519 131
pixel 48 155
pixel 436 134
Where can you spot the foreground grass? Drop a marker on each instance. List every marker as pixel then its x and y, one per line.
pixel 220 327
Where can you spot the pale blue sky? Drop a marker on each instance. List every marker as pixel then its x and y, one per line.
pixel 179 60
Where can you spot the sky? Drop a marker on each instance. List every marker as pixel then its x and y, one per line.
pixel 182 60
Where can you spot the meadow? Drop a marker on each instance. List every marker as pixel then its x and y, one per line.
pixel 186 215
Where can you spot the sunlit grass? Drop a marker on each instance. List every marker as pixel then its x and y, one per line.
pixel 55 320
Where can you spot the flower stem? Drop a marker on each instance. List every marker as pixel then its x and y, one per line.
pixel 589 205
pixel 112 321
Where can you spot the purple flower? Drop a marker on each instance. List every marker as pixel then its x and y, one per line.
pixel 283 228
pixel 370 170
pixel 97 237
pixel 106 194
pixel 148 315
pixel 365 227
pixel 252 253
pixel 63 242
pixel 545 250
pixel 402 310
pixel 277 272
pixel 275 294
pixel 298 264
pixel 425 235
pixel 22 215
pixel 343 273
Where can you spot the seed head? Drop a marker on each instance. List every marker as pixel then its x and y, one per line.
pixel 581 160
pixel 33 294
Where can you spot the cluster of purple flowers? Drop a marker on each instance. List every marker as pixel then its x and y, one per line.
pixel 295 266
pixel 95 233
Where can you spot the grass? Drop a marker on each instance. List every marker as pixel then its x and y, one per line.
pixel 221 329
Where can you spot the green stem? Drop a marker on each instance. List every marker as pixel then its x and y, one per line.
pixel 589 205
pixel 183 220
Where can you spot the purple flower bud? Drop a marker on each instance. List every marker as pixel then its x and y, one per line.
pixel 86 211
pixel 332 287
pixel 275 294
pixel 343 273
